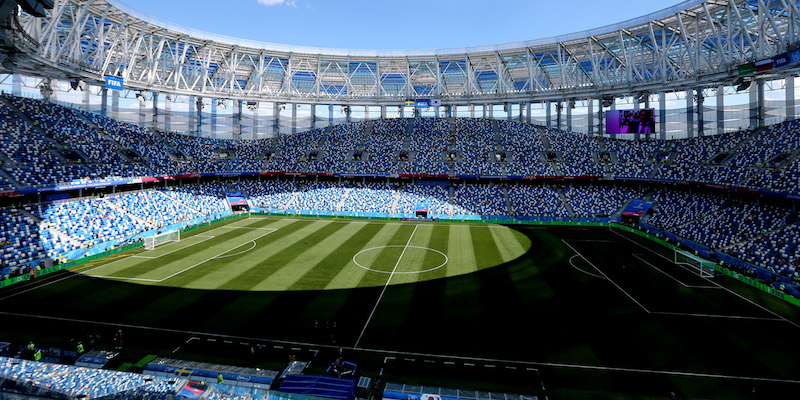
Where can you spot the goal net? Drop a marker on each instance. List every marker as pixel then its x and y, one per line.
pixel 151 242
pixel 702 266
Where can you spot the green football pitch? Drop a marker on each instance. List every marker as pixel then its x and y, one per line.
pixel 556 311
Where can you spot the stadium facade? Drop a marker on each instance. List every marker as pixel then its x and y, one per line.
pixel 704 66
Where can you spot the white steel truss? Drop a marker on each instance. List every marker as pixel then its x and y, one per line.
pixel 695 44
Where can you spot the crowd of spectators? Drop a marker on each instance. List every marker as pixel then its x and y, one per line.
pixel 46 144
pixel 64 145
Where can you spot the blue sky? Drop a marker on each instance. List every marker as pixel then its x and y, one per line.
pixel 408 24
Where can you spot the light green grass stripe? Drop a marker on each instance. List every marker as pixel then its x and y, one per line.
pixel 508 243
pixel 221 271
pixel 352 274
pixel 285 277
pixel 414 258
pixel 460 251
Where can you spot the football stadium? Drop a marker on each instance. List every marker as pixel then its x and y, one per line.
pixel 606 214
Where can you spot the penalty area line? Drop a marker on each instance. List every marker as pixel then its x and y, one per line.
pixel 715 283
pixel 609 279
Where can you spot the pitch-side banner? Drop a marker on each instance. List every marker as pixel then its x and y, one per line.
pixel 637 207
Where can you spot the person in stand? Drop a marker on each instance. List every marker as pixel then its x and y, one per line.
pixel 118 339
pixel 37 356
pixel 220 379
pixel 80 348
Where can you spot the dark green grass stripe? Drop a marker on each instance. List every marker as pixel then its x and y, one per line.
pixel 439 240
pixel 111 293
pixel 486 251
pixel 153 310
pixel 337 260
pixel 240 312
pixel 263 270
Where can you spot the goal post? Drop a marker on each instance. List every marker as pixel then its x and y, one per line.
pixel 151 242
pixel 702 266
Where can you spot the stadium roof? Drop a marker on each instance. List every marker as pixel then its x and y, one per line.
pixel 692 44
pixel 200 34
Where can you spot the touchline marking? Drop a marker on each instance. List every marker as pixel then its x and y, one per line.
pixel 395 353
pixel 384 287
pixel 609 279
pixel 715 283
pixel 717 316
pixel 37 286
pixel 34 287
pixel 244 227
pixel 672 277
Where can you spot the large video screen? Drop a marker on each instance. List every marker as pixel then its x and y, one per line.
pixel 630 121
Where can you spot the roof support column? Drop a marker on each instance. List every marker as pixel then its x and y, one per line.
pixel 790 113
pixel 213 119
pixel 590 115
pixel 690 113
pixel 757 103
pixel 85 100
pixel 255 122
pixel 313 116
pixel 720 91
pixel 636 106
pixel 662 115
pixel 237 119
pixel 547 116
pixel 141 113
pixel 103 101
pixel 276 115
pixel 701 120
pixel 155 110
pixel 294 118
pixel 600 117
pixel 194 115
pixel 528 113
pixel 167 113
pixel 16 85
pixel 570 106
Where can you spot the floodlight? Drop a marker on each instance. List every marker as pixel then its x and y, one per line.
pixel 743 86
pixel 76 84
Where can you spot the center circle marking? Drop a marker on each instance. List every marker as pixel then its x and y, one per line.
pixel 403 272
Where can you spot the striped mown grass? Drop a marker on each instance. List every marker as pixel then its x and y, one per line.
pixel 273 254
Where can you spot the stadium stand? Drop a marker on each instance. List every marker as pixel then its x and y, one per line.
pixel 46 144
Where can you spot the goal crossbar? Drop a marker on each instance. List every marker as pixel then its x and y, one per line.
pixel 704 268
pixel 151 242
